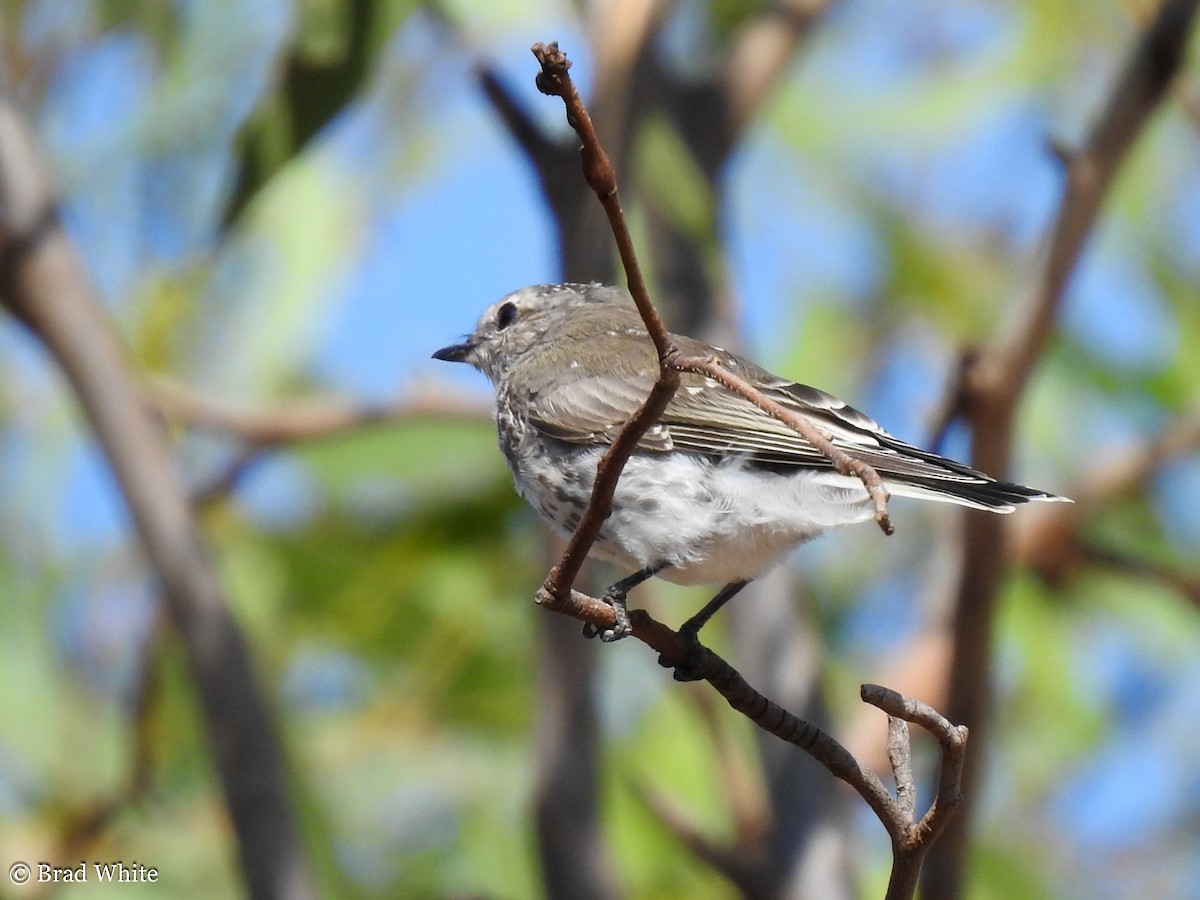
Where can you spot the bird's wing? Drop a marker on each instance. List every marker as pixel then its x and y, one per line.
pixel 582 400
pixel 588 406
pixel 589 402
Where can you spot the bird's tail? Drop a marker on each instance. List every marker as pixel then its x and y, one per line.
pixel 987 494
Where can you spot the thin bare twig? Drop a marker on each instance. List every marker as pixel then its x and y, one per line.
pixel 684 653
pixel 554 79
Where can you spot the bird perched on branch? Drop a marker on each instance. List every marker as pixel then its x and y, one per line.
pixel 717 490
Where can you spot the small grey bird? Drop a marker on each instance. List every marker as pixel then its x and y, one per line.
pixel 717 490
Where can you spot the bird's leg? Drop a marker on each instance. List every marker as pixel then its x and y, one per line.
pixel 614 596
pixel 690 630
pixel 692 626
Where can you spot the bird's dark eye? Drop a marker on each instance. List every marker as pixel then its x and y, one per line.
pixel 505 315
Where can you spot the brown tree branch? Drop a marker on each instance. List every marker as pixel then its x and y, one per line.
pixel 1050 539
pixel 912 842
pixel 741 789
pixel 83 828
pixel 683 652
pixel 910 838
pixel 567 801
pixel 521 126
pixel 1006 367
pixel 738 861
pixel 43 284
pixel 900 758
pixel 567 783
pixel 995 380
pixel 265 428
pixel 309 419
pixel 554 79
pixel 711 102
pixel 743 858
pixel 760 53
pixel 1188 95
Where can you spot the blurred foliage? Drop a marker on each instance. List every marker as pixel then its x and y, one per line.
pixel 237 174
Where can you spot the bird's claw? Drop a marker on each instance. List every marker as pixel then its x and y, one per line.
pixel 621 629
pixel 685 669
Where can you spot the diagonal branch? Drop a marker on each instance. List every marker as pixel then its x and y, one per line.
pixel 521 126
pixel 262 429
pixel 1140 88
pixel 737 860
pixel 554 79
pixel 682 652
pixel 760 53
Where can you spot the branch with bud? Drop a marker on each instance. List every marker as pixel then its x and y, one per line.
pixel 680 650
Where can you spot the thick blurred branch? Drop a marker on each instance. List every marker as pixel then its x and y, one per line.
pixel 741 858
pixel 993 382
pixel 289 422
pixel 759 55
pixel 43 284
pixel 262 428
pixel 1052 541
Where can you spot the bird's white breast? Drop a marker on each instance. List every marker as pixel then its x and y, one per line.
pixel 712 522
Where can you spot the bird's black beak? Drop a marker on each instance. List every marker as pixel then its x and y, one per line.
pixel 455 352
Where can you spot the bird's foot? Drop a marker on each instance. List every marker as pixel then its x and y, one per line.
pixel 686 668
pixel 621 629
pixel 615 597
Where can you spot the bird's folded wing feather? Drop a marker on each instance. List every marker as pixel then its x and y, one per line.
pixel 585 403
pixel 586 406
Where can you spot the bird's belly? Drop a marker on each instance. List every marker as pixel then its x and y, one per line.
pixel 710 522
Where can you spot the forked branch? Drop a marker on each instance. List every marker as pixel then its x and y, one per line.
pixel 910 837
pixel 555 79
